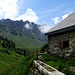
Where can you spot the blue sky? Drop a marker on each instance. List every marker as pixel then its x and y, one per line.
pixel 49 12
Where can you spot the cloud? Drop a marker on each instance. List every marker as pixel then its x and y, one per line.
pixel 29 15
pixel 27 26
pixel 56 20
pixel 44 28
pixel 11 9
pixel 8 9
pixel 64 16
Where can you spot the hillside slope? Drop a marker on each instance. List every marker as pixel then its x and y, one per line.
pixel 14 61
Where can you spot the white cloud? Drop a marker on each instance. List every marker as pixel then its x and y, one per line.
pixel 64 16
pixel 27 26
pixel 44 28
pixel 29 15
pixel 8 8
pixel 56 20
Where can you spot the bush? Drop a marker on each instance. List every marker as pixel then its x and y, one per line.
pixel 44 48
pixel 61 67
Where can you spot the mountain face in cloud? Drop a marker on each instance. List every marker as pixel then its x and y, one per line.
pixel 22 9
pixel 44 28
pixel 27 32
pixel 27 26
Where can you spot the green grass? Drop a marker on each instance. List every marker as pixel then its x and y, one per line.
pixel 21 68
pixel 15 64
pixel 12 63
pixel 61 64
pixel 7 60
pixel 23 41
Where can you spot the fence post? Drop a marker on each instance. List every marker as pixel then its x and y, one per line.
pixel 37 54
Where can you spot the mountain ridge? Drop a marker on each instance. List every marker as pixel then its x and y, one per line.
pixel 17 31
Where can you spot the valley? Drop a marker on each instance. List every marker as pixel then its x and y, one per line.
pixel 18 46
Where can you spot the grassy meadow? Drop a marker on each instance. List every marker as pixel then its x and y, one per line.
pixel 15 61
pixel 61 64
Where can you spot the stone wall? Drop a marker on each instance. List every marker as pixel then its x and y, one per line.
pixel 56 40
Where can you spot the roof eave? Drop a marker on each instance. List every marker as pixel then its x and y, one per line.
pixel 61 30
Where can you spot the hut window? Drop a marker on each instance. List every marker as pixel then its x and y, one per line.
pixel 64 44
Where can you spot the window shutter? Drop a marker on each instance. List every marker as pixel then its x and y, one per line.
pixel 61 45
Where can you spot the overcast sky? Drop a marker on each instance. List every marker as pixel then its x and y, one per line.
pixel 48 12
